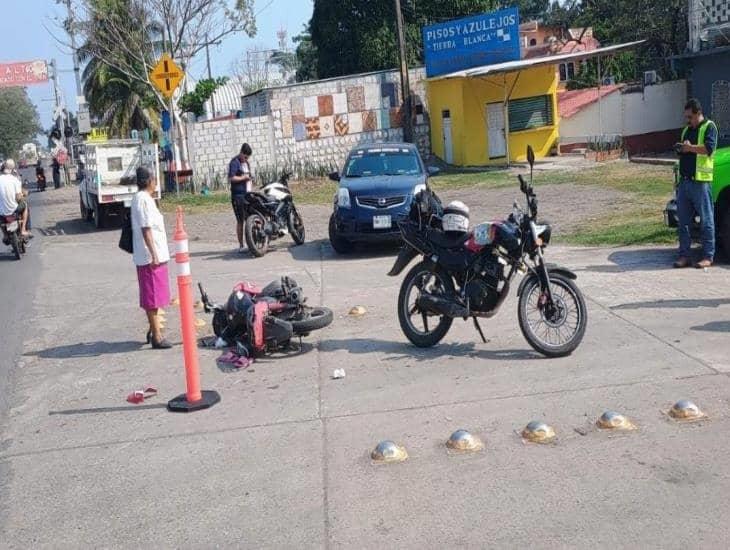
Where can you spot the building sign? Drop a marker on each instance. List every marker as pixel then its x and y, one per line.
pixel 23 73
pixel 472 42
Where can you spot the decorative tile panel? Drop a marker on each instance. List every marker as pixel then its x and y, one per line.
pixel 311 107
pixel 355 99
pixel 327 126
pixel 312 125
pixel 326 105
pixel 342 125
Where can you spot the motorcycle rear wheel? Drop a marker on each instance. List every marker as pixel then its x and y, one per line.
pixel 423 276
pixel 256 238
pixel 570 317
pixel 15 245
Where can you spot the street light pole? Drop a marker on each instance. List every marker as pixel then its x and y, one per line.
pixel 404 79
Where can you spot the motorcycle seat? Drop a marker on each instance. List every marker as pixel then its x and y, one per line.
pixel 8 219
pixel 442 239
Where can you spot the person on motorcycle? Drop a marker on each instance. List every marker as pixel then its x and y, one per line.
pixel 40 176
pixel 12 196
pixel 240 177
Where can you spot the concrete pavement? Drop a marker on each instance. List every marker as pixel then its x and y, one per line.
pixel 282 461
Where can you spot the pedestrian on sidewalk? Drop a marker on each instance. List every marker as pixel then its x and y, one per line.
pixel 694 193
pixel 240 178
pixel 151 255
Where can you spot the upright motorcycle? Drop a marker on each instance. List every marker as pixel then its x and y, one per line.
pixel 469 273
pixel 270 215
pixel 12 237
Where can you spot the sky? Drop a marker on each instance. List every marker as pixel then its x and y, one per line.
pixel 25 39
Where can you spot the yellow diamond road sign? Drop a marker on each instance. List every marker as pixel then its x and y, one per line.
pixel 166 76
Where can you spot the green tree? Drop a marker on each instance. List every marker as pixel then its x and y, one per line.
pixel 117 101
pixel 350 36
pixel 663 25
pixel 307 56
pixel 19 122
pixel 194 102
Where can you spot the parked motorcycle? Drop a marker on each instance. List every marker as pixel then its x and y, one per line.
pixel 271 214
pixel 468 274
pixel 265 320
pixel 10 227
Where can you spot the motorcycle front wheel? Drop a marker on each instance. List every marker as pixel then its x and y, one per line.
pixel 296 226
pixel 554 330
pixel 256 238
pixel 422 328
pixel 312 318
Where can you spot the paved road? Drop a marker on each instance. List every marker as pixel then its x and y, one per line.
pixel 17 291
pixel 282 461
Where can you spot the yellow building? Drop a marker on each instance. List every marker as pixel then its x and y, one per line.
pixel 489 114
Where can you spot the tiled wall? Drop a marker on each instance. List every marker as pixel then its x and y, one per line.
pixel 315 123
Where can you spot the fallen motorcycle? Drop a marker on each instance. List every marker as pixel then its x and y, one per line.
pixel 265 320
pixel 467 273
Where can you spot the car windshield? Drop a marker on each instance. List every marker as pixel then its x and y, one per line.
pixel 382 162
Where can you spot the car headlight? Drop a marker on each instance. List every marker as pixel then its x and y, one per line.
pixel 343 198
pixel 418 188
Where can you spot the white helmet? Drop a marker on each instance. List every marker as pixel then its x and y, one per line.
pixel 456 217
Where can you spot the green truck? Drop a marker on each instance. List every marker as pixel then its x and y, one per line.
pixel 720 196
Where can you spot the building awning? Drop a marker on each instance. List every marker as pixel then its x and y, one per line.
pixel 518 65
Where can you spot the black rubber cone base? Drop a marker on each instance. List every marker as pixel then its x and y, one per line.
pixel 181 403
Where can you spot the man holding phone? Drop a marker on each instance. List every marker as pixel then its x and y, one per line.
pixel 694 193
pixel 240 178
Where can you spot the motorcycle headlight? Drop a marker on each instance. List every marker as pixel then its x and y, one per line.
pixel 418 188
pixel 343 198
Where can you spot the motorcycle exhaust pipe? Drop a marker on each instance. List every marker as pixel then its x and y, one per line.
pixel 441 306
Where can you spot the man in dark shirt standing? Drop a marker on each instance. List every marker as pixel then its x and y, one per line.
pixel 694 194
pixel 240 177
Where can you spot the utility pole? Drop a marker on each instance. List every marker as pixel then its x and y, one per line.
pixel 210 75
pixel 58 111
pixel 70 23
pixel 404 79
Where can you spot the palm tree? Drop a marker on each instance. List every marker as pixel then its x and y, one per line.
pixel 117 100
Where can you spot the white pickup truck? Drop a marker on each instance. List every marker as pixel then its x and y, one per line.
pixel 109 178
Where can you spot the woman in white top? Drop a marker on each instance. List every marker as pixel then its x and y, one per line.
pixel 150 255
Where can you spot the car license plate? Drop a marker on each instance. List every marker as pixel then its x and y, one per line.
pixel 381 222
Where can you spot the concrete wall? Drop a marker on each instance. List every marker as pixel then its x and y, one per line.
pixel 655 111
pixel 312 125
pixel 213 144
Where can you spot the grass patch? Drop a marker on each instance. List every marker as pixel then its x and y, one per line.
pixel 634 227
pixel 490 179
pixel 313 191
pixel 637 219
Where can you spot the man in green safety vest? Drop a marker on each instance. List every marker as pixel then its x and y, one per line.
pixel 694 193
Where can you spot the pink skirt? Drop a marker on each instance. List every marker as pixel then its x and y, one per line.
pixel 154 286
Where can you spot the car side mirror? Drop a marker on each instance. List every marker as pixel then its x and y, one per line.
pixel 335 176
pixel 530 156
pixel 433 170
